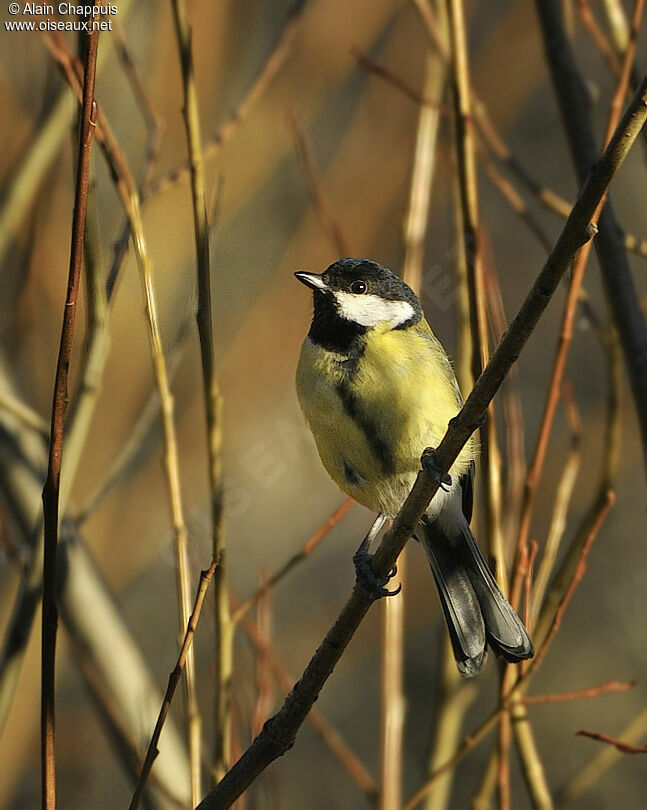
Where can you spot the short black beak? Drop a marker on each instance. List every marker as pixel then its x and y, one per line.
pixel 312 280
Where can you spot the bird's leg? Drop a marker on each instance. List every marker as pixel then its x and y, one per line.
pixel 430 465
pixel 374 586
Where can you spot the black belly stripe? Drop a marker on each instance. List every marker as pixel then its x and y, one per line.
pixel 378 446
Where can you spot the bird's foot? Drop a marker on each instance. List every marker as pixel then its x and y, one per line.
pixel 374 586
pixel 430 465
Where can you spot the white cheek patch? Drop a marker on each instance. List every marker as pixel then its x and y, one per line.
pixel 371 310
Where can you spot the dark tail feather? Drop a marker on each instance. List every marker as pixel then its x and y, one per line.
pixel 475 609
pixel 459 601
pixel 505 632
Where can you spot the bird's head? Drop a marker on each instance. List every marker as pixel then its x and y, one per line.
pixel 363 293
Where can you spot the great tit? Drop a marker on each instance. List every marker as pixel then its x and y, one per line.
pixel 377 388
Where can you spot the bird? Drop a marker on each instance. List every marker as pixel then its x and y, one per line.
pixel 378 390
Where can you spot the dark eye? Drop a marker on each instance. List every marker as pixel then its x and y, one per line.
pixel 358 287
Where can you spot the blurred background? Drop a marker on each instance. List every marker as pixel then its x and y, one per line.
pixel 320 124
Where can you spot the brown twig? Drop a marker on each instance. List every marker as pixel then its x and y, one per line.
pixel 156 123
pixel 329 222
pixel 425 99
pixel 623 747
pixel 174 677
pixel 307 549
pixel 601 762
pixel 508 191
pixel 579 694
pixel 598 36
pixel 513 198
pixel 59 406
pixel 280 731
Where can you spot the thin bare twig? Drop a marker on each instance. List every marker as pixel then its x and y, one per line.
pixel 623 747
pixel 579 694
pixel 329 222
pixel 174 677
pixel 425 99
pixel 602 761
pixel 156 127
pixel 59 407
pixel 156 123
pixel 599 37
pixel 307 549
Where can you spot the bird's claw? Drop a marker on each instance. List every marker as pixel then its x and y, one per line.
pixel 374 586
pixel 430 465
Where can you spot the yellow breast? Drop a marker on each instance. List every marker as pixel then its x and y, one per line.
pixel 371 423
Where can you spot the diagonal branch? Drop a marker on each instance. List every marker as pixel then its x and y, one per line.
pixel 174 677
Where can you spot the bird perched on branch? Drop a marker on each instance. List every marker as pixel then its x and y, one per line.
pixel 377 388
